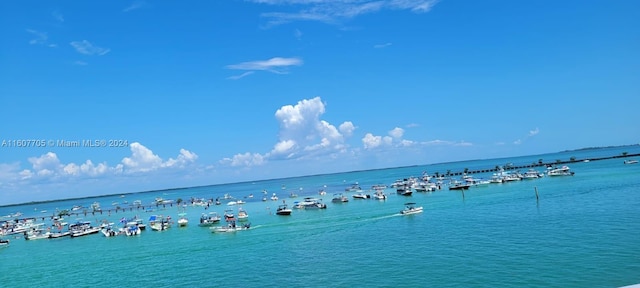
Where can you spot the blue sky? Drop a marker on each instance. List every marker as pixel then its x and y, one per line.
pixel 208 92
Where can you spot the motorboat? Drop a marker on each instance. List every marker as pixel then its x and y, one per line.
pixel 339 198
pixel 109 232
pixel 355 187
pixel 410 208
pixel 630 161
pixel 361 195
pixel 229 216
pixel 312 203
pixel 459 186
pixel 404 190
pixel 230 227
pixel 208 220
pixel 560 171
pixel 131 229
pixel 182 220
pixel 4 243
pixel 82 228
pixel 158 223
pixel 37 233
pixel 379 195
pixel 274 197
pixel 242 215
pixel 283 210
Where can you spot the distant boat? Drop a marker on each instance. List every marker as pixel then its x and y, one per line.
pixel 562 171
pixel 182 221
pixel 630 161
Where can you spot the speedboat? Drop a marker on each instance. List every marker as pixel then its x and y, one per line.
pixel 312 203
pixel 131 229
pixel 109 232
pixel 404 190
pixel 182 221
pixel 231 227
pixel 283 210
pixel 355 187
pixel 4 243
pixel 459 186
pixel 158 223
pixel 339 198
pixel 209 220
pixel 630 161
pixel 242 215
pixel 562 171
pixel 380 195
pixel 410 208
pixel 361 195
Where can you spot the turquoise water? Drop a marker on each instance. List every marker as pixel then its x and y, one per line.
pixel 584 231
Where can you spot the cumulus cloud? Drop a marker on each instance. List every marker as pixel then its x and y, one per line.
pixel 334 11
pixel 396 133
pixel 534 132
pixel 278 65
pixel 85 47
pixel 141 160
pixel 302 134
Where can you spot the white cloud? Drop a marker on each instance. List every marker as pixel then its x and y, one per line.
pixel 303 134
pixel 378 46
pixel 347 128
pixel 369 141
pixel 517 142
pixel 57 15
pixel 246 159
pixel 333 11
pixel 534 132
pixel 276 65
pixel 396 133
pixel 85 47
pixel 134 6
pixel 40 38
pixel 80 63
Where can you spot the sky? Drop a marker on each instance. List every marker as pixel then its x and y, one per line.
pixel 124 96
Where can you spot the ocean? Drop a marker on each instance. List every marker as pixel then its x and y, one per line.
pixel 564 231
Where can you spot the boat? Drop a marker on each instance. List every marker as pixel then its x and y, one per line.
pixel 380 195
pixel 231 227
pixel 404 190
pixel 182 221
pixel 4 243
pixel 274 197
pixel 312 203
pixel 242 215
pixel 361 195
pixel 339 198
pixel 37 233
pixel 410 208
pixel 283 210
pixel 208 220
pixel 459 186
pixel 109 231
pixel 355 187
pixel 131 228
pixel 158 223
pixel 561 171
pixel 229 216
pixel 630 161
pixel 82 228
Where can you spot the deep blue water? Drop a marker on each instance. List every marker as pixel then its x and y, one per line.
pixel 584 231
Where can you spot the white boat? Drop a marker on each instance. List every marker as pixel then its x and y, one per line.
pixel 361 195
pixel 562 171
pixel 84 230
pixel 339 198
pixel 182 221
pixel 630 161
pixel 312 203
pixel 283 210
pixel 274 197
pixel 242 215
pixel 231 227
pixel 158 223
pixel 131 229
pixel 109 232
pixel 355 187
pixel 380 195
pixel 410 208
pixel 36 234
pixel 208 220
